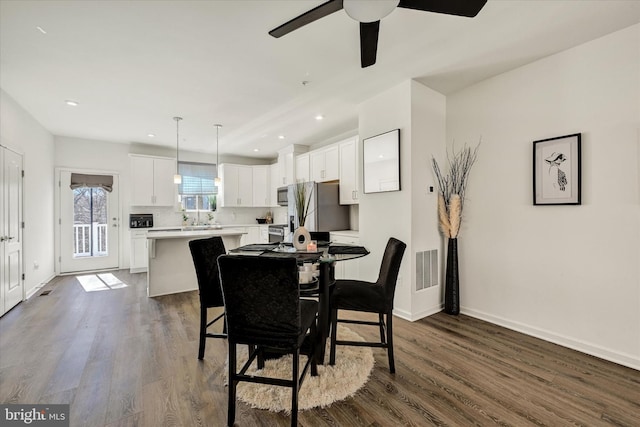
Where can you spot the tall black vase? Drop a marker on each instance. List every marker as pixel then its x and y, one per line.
pixel 452 283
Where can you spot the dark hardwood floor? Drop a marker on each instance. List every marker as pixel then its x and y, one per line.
pixel 122 359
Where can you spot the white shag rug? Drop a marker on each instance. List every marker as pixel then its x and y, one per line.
pixel 333 383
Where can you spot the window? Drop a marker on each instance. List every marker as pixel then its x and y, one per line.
pixel 197 191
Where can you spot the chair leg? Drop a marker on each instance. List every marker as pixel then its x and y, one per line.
pixel 231 408
pixel 294 389
pixel 203 331
pixel 334 333
pixel 381 322
pixel 392 366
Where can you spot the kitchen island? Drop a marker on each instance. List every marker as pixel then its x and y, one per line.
pixel 171 267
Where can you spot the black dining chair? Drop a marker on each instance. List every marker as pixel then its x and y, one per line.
pixel 371 297
pixel 322 237
pixel 205 253
pixel 264 309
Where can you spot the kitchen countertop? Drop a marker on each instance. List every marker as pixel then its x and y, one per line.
pixel 177 233
pixel 197 227
pixel 350 233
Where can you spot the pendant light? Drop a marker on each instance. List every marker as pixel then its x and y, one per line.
pixel 217 181
pixel 177 178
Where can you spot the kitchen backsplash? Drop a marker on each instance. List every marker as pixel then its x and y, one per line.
pixel 167 217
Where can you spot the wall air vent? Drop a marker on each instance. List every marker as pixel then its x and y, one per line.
pixel 426 269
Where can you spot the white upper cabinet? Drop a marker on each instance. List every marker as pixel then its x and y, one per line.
pixel 324 164
pixel 152 181
pixel 287 162
pixel 302 168
pixel 261 185
pixel 237 186
pixel 274 169
pixel 349 188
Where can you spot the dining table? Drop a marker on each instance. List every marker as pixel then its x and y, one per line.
pixel 325 257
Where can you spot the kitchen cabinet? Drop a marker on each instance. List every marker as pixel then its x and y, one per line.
pixel 302 168
pixel 264 234
pixel 261 179
pixel 237 186
pixel 139 255
pixel 324 164
pixel 287 163
pixel 152 181
pixel 349 171
pixel 274 170
pixel 348 269
pixel 252 235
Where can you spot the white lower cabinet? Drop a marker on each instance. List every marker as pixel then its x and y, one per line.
pixel 139 256
pixel 347 269
pixel 252 235
pixel 264 234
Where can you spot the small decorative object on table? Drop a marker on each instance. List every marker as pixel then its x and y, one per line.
pixel 451 187
pixel 302 200
pixel 312 246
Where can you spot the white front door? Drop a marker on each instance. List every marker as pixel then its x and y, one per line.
pixel 11 282
pixel 89 226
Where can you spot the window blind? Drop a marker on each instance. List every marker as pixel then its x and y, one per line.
pixel 197 178
pixel 79 180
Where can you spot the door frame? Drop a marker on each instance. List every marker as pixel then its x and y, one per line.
pixel 57 219
pixel 23 296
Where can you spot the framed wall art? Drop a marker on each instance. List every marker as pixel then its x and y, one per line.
pixel 557 171
pixel 381 158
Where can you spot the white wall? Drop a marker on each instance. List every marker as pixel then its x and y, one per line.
pixel 569 274
pixel 22 133
pixel 409 214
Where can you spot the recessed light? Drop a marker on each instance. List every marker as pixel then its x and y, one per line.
pixel 319 117
pixel 255 150
pixel 41 30
pixel 151 135
pixel 280 136
pixel 71 103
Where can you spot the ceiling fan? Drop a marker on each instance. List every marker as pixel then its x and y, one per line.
pixel 370 12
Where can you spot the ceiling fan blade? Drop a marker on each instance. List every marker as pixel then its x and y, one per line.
pixel 368 42
pixel 468 8
pixel 308 17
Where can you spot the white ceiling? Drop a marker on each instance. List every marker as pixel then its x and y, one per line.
pixel 133 65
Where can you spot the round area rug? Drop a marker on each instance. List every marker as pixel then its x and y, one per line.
pixel 333 383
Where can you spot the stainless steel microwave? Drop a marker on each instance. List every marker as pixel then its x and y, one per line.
pixel 283 196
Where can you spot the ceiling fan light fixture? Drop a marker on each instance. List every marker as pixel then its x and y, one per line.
pixel 369 11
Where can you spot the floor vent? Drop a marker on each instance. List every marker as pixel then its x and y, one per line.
pixel 47 292
pixel 426 269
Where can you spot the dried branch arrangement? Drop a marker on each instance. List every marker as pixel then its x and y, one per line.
pixel 452 187
pixel 302 201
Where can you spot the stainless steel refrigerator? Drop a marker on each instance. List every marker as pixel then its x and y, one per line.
pixel 325 211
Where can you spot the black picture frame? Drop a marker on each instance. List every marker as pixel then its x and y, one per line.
pixel 557 170
pixel 381 162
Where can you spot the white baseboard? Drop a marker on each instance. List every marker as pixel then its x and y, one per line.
pixel 581 346
pixel 36 288
pixel 412 317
